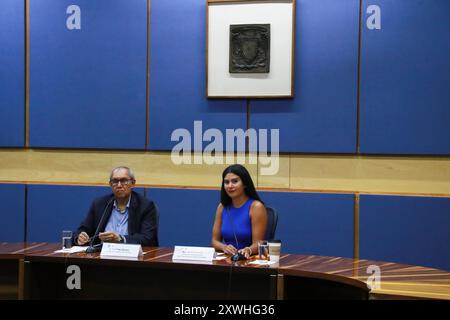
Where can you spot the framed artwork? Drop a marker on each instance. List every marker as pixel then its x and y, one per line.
pixel 250 49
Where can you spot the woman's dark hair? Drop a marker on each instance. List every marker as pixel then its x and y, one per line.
pixel 249 187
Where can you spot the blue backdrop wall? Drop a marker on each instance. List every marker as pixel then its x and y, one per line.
pixel 405 79
pixel 12 73
pixel 53 208
pixel 13 213
pixel 186 216
pixel 314 223
pixel 88 85
pixel 412 230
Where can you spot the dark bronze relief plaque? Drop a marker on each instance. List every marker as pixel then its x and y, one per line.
pixel 249 48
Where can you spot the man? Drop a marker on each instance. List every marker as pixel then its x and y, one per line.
pixel 128 216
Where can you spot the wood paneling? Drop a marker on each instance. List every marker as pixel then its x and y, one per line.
pixel 429 176
pixel 321 173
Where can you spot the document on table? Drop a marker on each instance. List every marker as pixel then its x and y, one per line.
pixel 220 256
pixel 74 249
pixel 263 262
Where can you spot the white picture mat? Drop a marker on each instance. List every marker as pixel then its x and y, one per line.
pixel 275 83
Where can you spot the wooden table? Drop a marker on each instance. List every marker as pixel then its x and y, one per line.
pixel 153 276
pixel 35 271
pixel 396 280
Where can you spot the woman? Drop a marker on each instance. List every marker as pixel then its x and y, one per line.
pixel 241 217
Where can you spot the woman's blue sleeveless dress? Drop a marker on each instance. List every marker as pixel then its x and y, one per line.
pixel 237 225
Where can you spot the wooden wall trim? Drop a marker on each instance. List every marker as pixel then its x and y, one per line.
pixel 407 176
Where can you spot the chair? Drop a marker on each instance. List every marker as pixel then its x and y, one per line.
pixel 272 221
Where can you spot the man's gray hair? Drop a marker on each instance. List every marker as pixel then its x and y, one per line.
pixel 130 172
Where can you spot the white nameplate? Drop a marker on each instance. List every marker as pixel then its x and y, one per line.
pixel 121 250
pixel 193 253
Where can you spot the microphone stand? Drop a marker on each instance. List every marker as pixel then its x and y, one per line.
pixel 237 256
pixel 97 247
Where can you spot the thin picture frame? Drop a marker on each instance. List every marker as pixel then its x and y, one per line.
pixel 220 83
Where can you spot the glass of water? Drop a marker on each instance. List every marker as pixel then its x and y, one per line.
pixel 263 250
pixel 67 239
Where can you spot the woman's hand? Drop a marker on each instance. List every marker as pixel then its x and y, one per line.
pixel 247 252
pixel 229 249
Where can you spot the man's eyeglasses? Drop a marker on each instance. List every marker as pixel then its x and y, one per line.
pixel 123 181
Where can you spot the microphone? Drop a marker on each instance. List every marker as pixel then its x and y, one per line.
pixel 97 247
pixel 237 256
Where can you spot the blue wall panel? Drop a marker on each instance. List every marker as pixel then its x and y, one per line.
pixel 411 230
pixel 322 116
pixel 52 209
pixel 12 73
pixel 12 214
pixel 178 75
pixel 405 79
pixel 314 223
pixel 186 216
pixel 88 86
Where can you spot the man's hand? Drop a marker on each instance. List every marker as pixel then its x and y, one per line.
pixel 109 236
pixel 83 238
